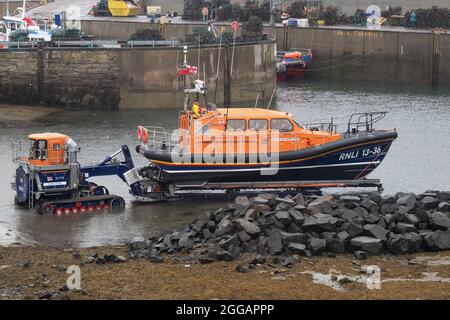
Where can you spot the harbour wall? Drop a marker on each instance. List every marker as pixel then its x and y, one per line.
pixel 391 55
pixel 131 77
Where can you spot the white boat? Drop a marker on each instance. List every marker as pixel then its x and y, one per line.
pixel 10 24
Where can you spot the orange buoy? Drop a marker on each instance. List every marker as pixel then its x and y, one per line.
pixel 293 55
pixel 139 133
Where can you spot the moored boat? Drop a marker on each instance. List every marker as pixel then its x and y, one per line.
pixel 291 65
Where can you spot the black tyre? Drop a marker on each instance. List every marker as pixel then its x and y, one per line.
pixel 46 208
pixel 117 203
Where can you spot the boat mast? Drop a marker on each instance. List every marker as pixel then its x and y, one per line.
pixel 24 5
pixel 7 8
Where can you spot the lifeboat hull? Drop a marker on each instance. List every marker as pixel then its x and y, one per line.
pixel 350 158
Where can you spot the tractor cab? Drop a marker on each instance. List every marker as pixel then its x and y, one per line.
pixel 48 149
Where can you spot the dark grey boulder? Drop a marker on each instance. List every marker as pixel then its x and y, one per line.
pixel 287 237
pixel 411 218
pixel 388 218
pixel 408 201
pixel 388 199
pixel 185 241
pixel 310 223
pixel 444 207
pixel 297 248
pixel 353 228
pixel 205 259
pixel 242 200
pixel 323 204
pixel 343 235
pixel 297 217
pixel 268 196
pixel 405 243
pixel 274 221
pixel 259 259
pixel 422 214
pixel 361 255
pixel 282 206
pixel 226 243
pixel 244 236
pixel 371 217
pixel 388 208
pixel 444 196
pixel 207 234
pixel 429 203
pixel 211 225
pixel 241 269
pixel 349 201
pixel 352 198
pixel 317 245
pixel 223 255
pixel 373 230
pixel 249 246
pixel 154 257
pixel 300 207
pixel 372 246
pixel 405 227
pixel 369 205
pixel 349 215
pixel 225 226
pixel 288 201
pixel 283 217
pixel 293 228
pixel 249 227
pixel 259 200
pixel 299 199
pixel 438 240
pixel 335 245
pixel 439 221
pixel 326 222
pixel 274 243
pixel 138 243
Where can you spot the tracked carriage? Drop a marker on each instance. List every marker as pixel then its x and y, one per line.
pixel 50 179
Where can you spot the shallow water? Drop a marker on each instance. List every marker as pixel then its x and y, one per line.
pixel 418 160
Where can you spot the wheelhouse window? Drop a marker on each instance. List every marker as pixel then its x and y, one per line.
pixel 38 150
pixel 236 125
pixel 282 125
pixel 2 28
pixel 258 124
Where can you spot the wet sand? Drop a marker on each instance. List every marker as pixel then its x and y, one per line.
pixel 29 272
pixel 15 114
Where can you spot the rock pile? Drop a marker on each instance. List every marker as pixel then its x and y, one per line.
pixel 363 224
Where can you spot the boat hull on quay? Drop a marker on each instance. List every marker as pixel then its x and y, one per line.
pixel 351 158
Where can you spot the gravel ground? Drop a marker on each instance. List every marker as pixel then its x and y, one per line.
pixel 37 272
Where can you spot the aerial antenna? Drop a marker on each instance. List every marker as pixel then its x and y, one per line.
pixel 271 98
pixel 7 8
pixel 198 56
pixel 256 102
pixel 218 66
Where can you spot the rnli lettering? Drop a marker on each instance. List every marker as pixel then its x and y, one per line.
pixel 349 155
pixel 356 153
